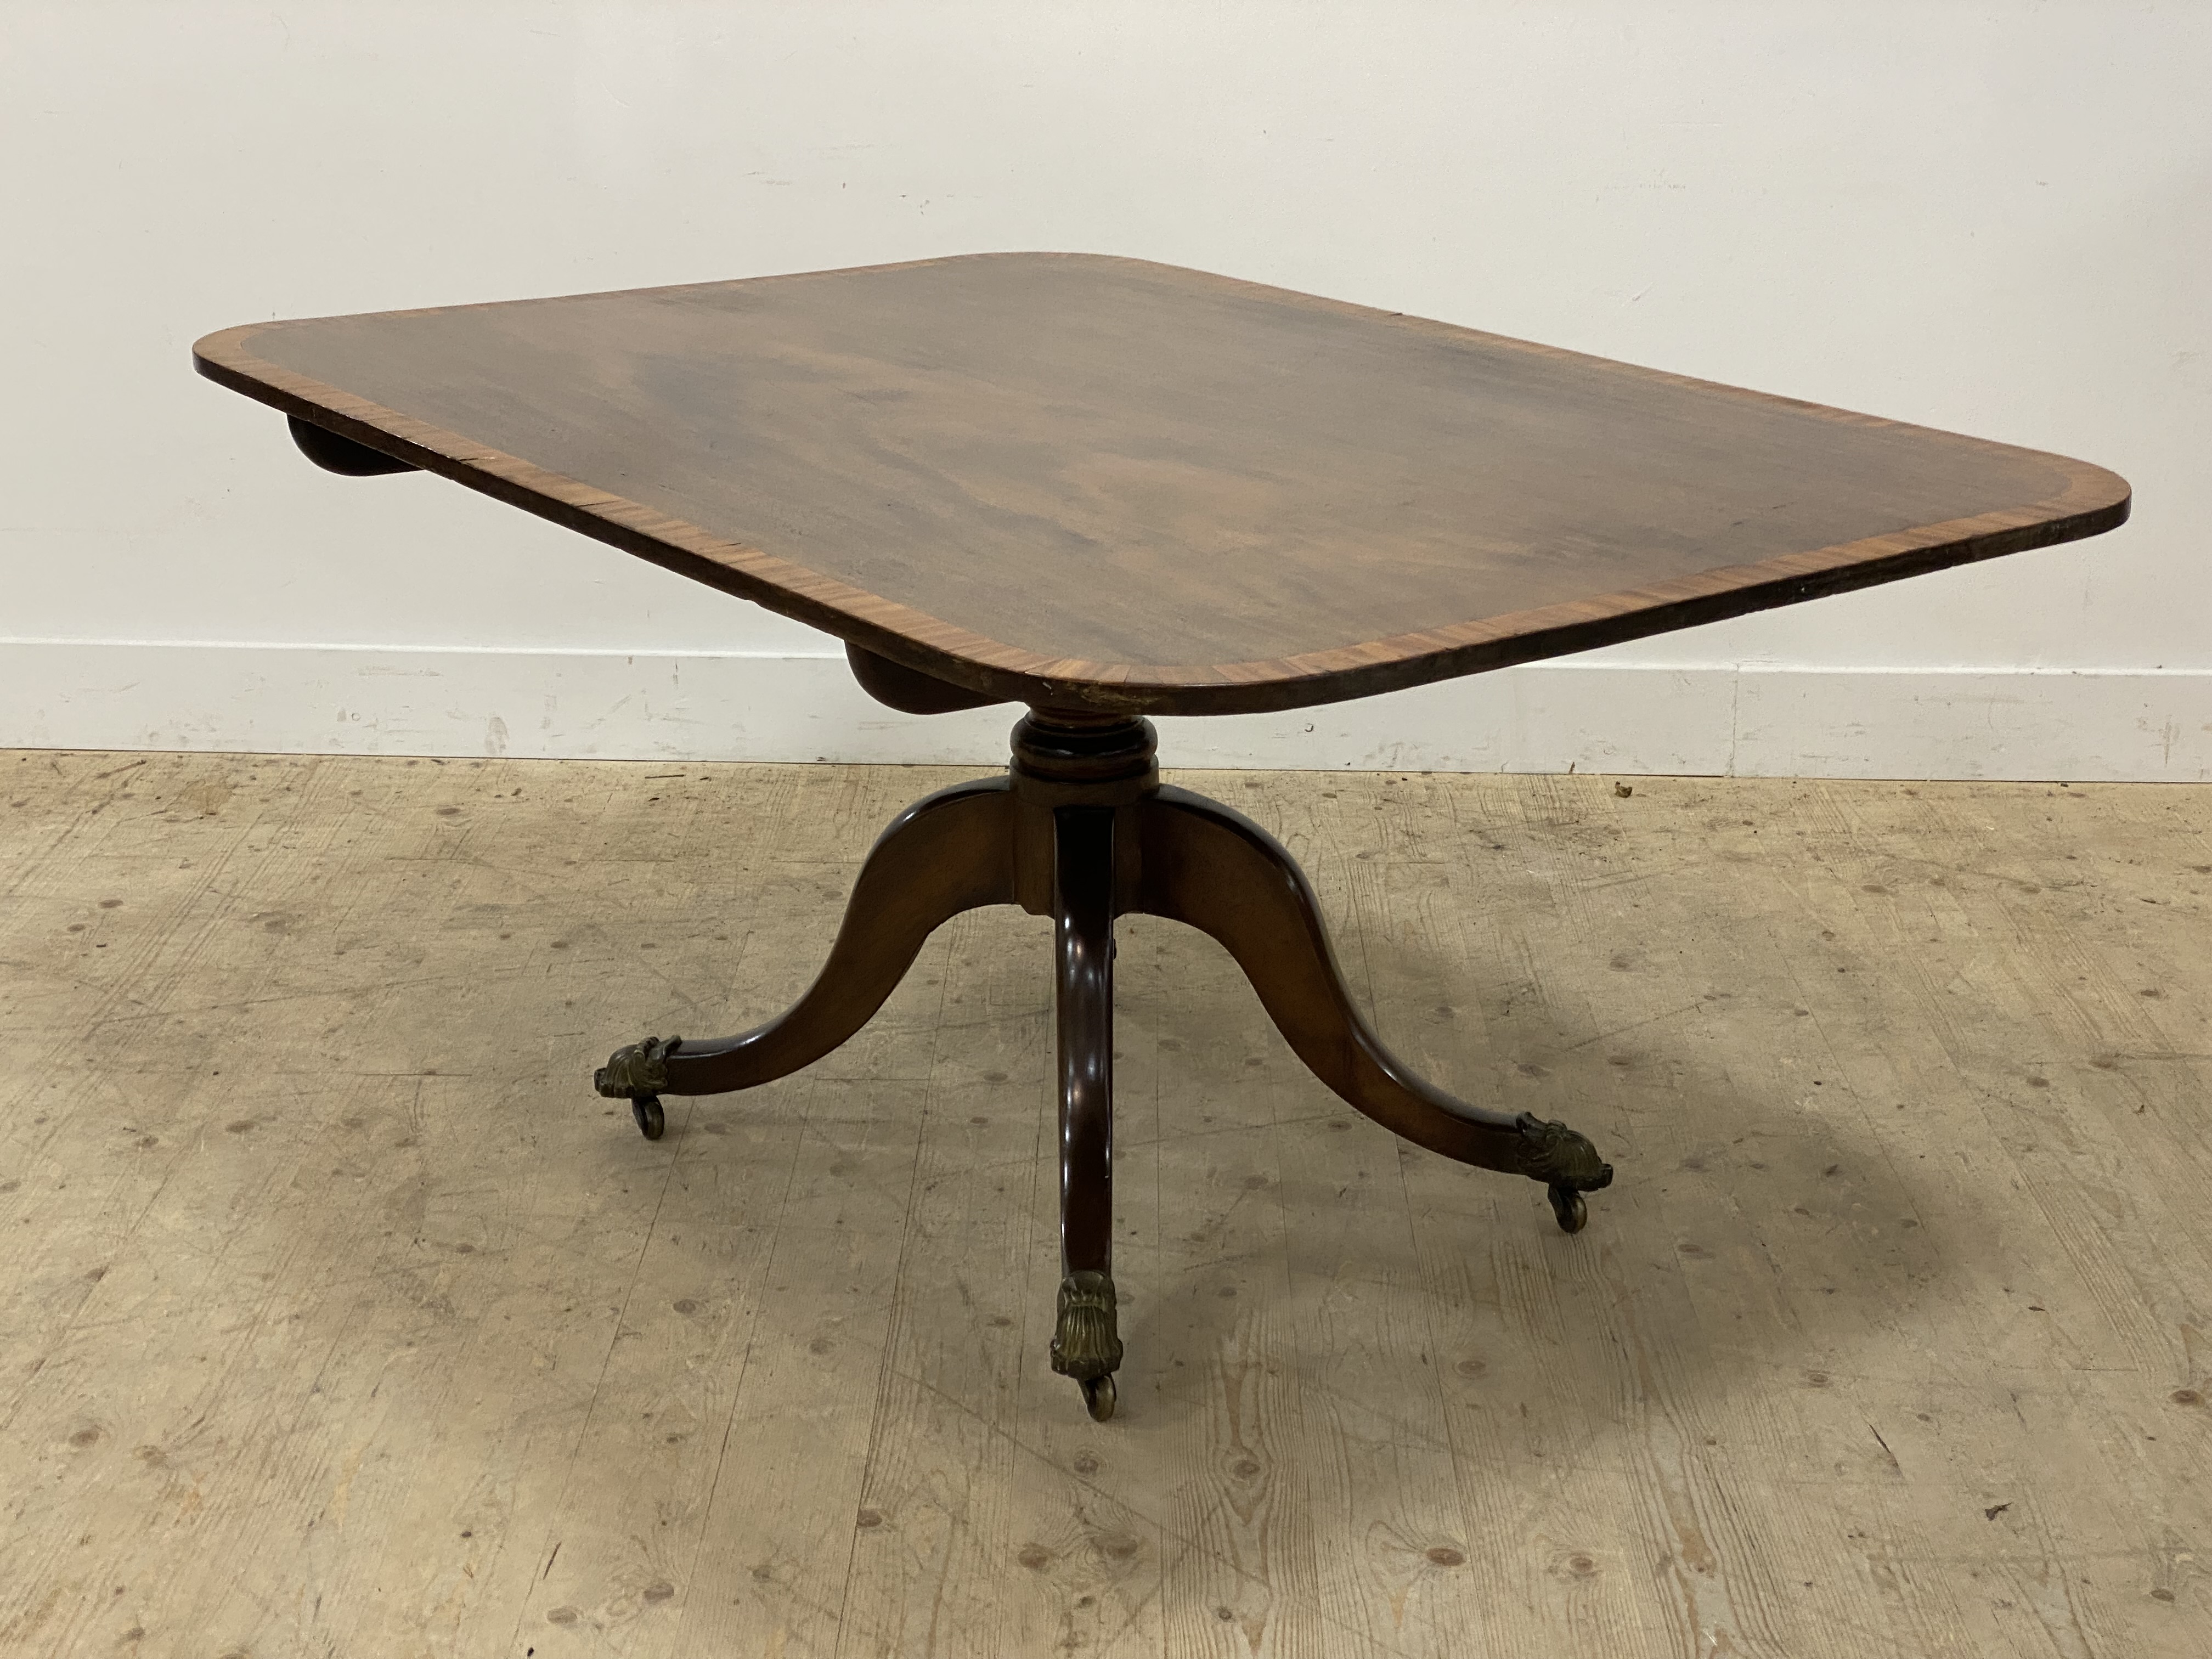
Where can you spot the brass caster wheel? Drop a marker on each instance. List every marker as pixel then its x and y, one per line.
pixel 652 1121
pixel 1098 1396
pixel 1568 1205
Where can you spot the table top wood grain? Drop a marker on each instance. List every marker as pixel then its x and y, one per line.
pixel 1073 480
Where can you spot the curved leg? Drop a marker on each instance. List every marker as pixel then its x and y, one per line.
pixel 949 852
pixel 1085 1344
pixel 1220 872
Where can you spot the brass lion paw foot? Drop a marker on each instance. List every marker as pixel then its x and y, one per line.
pixel 638 1074
pixel 1085 1344
pixel 1568 1165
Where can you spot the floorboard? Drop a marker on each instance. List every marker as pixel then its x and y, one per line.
pixel 338 1317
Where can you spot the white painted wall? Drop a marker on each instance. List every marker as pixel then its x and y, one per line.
pixel 1995 217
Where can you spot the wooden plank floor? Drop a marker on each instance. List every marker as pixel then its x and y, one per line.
pixel 338 1317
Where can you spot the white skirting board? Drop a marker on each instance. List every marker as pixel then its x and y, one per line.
pixel 1605 717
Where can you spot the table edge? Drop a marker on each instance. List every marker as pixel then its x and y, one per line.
pixel 2094 500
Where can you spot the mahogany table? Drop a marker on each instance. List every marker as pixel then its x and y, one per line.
pixel 1104 489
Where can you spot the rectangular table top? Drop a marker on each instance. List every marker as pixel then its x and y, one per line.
pixel 1091 482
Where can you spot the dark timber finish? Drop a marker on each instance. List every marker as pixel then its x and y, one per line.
pixel 1082 830
pixel 1090 483
pixel 1103 488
